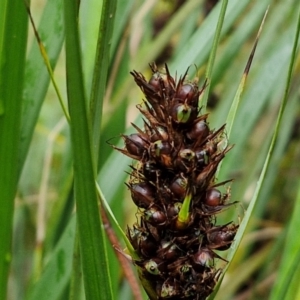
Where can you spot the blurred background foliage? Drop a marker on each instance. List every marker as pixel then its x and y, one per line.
pixel 178 33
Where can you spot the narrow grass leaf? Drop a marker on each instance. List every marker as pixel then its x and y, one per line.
pixel 101 70
pixel 212 55
pixel 116 224
pixel 236 100
pixel 235 103
pixel 96 276
pixel 12 61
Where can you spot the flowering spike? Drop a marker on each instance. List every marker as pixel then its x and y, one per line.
pixel 174 187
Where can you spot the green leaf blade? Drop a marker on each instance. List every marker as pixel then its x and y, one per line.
pixel 12 61
pixel 91 236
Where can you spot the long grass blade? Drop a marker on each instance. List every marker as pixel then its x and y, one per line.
pixel 13 33
pixel 96 276
pixel 235 103
pixel 212 55
pixel 101 70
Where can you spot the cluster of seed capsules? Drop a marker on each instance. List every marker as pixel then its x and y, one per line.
pixel 173 185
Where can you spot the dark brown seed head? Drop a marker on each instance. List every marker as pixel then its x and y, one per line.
pixel 175 190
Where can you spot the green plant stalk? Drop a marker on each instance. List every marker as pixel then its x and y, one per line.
pixel 96 276
pixel 212 56
pixel 101 70
pixel 11 87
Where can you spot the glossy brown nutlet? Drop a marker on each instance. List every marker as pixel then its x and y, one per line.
pixel 155 216
pixel 135 144
pixel 188 93
pixel 221 237
pixel 173 209
pixel 142 194
pixel 198 132
pixel 213 197
pixel 178 187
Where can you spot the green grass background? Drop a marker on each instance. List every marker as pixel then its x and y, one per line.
pixel 43 252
